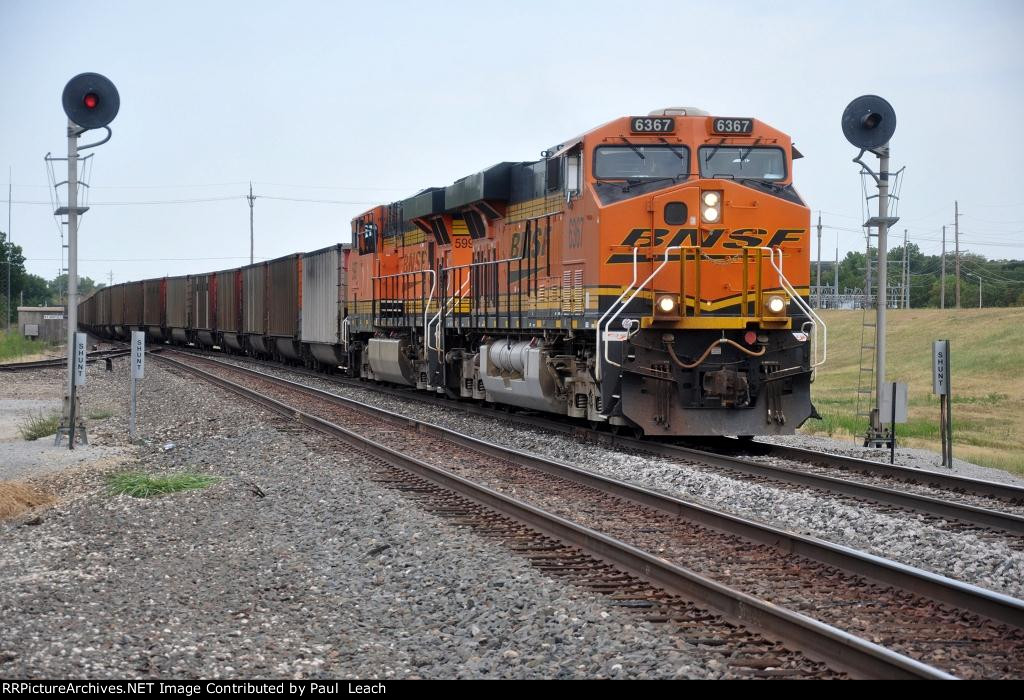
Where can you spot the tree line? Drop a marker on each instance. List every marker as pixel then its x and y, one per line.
pixel 31 290
pixel 1002 281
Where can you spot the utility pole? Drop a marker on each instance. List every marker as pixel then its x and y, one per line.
pixel 906 286
pixel 942 284
pixel 251 199
pixel 819 258
pixel 837 273
pixel 956 229
pixel 110 278
pixel 10 247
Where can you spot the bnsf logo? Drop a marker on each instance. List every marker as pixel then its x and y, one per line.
pixel 734 240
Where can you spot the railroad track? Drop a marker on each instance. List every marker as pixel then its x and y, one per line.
pixel 823 599
pixel 953 503
pixel 62 361
pixel 986 494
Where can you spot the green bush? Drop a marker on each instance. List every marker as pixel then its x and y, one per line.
pixel 14 345
pixel 142 485
pixel 39 426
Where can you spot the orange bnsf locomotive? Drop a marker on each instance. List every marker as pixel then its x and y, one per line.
pixel 650 274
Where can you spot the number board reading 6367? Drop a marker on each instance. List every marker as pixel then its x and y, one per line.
pixel 652 125
pixel 732 125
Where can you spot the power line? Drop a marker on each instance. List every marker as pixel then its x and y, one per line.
pixel 160 202
pixel 129 203
pixel 337 187
pixel 313 201
pixel 991 276
pixel 229 257
pixel 362 188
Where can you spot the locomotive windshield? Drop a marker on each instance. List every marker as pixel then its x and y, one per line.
pixel 633 161
pixel 742 162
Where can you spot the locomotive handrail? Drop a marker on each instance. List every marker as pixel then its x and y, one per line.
pixel 451 304
pixel 619 305
pixel 803 306
pixel 479 263
pixel 600 337
pixel 633 296
pixel 437 317
pixel 430 297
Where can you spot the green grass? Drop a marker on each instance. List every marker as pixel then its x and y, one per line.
pixel 14 345
pixel 39 426
pixel 142 485
pixel 987 379
pixel 101 414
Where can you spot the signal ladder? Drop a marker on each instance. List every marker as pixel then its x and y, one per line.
pixel 868 339
pixel 866 375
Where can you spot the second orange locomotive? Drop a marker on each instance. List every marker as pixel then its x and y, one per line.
pixel 650 274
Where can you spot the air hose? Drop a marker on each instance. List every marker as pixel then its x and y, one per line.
pixel 670 345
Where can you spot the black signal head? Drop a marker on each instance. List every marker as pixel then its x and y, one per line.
pixel 869 122
pixel 90 100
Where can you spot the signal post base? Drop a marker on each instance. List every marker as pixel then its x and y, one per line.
pixel 64 431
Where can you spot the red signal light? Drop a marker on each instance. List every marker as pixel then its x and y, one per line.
pixel 91 101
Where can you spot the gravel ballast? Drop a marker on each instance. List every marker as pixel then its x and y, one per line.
pixel 983 560
pixel 327 573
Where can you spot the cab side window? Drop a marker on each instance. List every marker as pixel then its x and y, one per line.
pixel 368 238
pixel 573 171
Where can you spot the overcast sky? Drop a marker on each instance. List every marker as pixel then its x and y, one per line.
pixel 353 104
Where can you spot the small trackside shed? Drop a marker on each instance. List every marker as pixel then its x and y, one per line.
pixel 48 322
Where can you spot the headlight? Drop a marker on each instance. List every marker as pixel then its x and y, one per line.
pixel 775 305
pixel 711 207
pixel 666 304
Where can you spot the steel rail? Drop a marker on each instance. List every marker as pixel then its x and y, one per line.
pixel 835 646
pixel 60 361
pixel 928 505
pixel 953 482
pixel 991 604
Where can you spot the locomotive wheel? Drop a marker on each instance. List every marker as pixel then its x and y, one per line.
pixel 626 431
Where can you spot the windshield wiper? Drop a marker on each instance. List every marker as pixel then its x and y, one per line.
pixel 709 156
pixel 749 150
pixel 774 186
pixel 672 148
pixel 633 146
pixel 649 180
